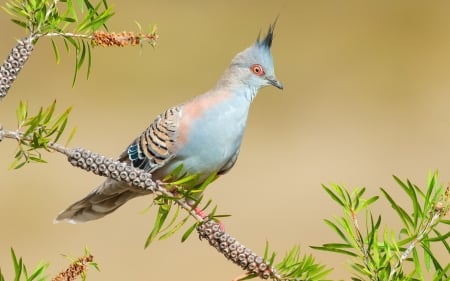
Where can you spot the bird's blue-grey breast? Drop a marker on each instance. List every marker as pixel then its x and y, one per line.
pixel 204 134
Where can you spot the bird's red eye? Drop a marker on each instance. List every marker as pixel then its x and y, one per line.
pixel 257 69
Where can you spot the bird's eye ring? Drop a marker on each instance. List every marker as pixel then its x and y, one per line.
pixel 257 69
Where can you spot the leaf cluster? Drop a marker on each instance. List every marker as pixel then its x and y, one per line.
pixel 184 189
pixel 40 17
pixel 296 266
pixel 378 254
pixel 73 21
pixel 36 132
pixel 21 272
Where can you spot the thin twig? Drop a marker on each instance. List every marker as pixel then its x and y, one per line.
pixel 359 239
pixel 64 34
pixel 417 240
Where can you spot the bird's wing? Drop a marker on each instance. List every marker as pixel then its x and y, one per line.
pixel 157 144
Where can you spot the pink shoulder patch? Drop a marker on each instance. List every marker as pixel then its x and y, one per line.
pixel 194 109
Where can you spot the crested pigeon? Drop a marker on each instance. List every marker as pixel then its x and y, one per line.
pixel 203 135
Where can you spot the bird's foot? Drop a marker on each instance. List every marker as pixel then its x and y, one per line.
pixel 200 213
pixel 204 217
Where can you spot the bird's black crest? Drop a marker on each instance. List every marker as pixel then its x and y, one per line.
pixel 267 41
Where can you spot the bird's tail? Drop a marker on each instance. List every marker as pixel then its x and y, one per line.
pixel 102 201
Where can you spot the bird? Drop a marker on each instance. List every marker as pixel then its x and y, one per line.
pixel 202 136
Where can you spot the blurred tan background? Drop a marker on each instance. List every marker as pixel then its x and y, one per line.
pixel 367 95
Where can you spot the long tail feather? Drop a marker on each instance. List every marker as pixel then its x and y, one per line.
pixel 102 201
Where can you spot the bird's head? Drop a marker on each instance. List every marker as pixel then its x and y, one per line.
pixel 254 65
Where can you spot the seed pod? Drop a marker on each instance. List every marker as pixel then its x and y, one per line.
pixel 235 251
pixel 108 167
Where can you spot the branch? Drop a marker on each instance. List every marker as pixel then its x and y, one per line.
pixel 17 135
pixel 208 229
pixel 47 19
pixel 19 55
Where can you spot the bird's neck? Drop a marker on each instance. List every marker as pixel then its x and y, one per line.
pixel 231 82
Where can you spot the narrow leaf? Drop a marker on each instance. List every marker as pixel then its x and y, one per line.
pixel 333 196
pixel 188 232
pixel 55 50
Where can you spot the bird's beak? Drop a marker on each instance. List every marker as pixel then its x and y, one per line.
pixel 273 81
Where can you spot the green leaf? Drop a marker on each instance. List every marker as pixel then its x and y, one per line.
pixel 441 238
pixel 184 180
pixel 38 272
pixel 18 265
pixel 417 266
pixel 17 164
pixel 407 221
pixel 337 230
pixel 21 113
pixel 442 274
pixel 16 11
pixel 367 203
pixel 82 55
pixel 336 250
pixel 55 50
pixel 36 159
pixel 174 229
pixel 161 217
pixel 333 195
pixel 75 74
pixel 71 10
pixel 426 254
pixel 207 205
pixel 68 19
pixel 61 130
pixel 71 135
pixel 48 113
pixel 357 195
pixel 20 23
pixel 172 221
pixel 88 4
pixel 432 184
pixel 33 123
pixel 410 191
pixel 266 250
pixel 89 66
pixel 189 231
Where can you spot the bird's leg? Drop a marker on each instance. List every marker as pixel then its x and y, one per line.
pixel 202 214
pixel 196 209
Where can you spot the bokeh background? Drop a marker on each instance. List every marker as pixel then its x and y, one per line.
pixel 367 95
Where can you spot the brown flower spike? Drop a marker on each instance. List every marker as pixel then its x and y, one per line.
pixel 123 39
pixel 75 269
